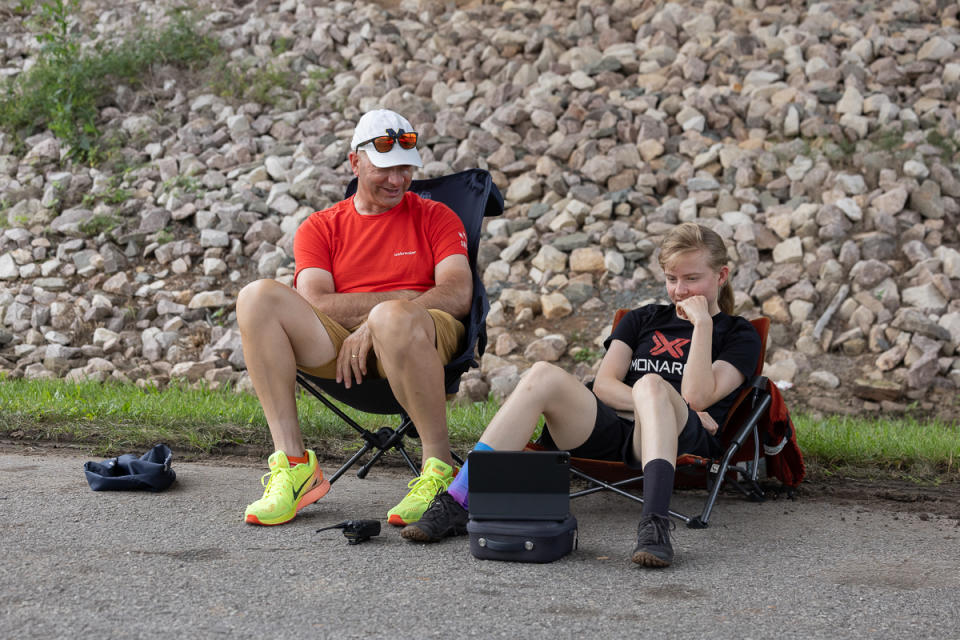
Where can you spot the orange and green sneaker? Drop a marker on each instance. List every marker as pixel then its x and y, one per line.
pixel 287 490
pixel 435 477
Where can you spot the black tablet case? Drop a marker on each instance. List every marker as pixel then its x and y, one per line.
pixel 519 485
pixel 520 506
pixel 522 540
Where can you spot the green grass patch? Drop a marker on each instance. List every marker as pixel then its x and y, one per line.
pixel 586 354
pixel 116 418
pixel 181 184
pixel 889 140
pixel 947 146
pixel 114 194
pixel 908 446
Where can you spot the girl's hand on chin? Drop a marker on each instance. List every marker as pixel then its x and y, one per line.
pixel 693 309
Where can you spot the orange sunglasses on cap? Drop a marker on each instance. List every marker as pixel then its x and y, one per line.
pixel 383 144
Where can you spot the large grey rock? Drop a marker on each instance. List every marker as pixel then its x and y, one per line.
pixel 936 48
pixel 549 348
pixel 915 321
pixel 209 299
pixel 9 270
pixel 70 221
pixel 891 202
pixel 524 189
pixel 214 238
pixel 156 342
pixel 555 306
pixel 549 258
pixel 925 296
pixel 927 201
pixel 45 151
pixel 270 262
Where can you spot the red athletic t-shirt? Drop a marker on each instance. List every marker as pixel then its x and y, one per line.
pixel 397 249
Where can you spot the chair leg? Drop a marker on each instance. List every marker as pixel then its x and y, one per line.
pixel 749 427
pixel 600 485
pixel 716 476
pixel 387 439
pixel 383 440
pixel 349 463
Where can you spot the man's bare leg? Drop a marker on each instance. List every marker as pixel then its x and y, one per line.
pixel 404 339
pixel 279 329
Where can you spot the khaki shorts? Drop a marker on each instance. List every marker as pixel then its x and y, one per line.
pixel 450 334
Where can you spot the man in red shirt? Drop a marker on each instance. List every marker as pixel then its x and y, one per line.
pixel 382 283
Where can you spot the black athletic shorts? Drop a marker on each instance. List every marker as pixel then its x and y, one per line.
pixel 612 437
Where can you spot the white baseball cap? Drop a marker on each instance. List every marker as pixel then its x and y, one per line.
pixel 383 122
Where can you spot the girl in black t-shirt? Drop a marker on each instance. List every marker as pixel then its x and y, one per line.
pixel 670 374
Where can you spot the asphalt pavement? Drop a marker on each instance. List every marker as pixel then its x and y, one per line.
pixel 78 563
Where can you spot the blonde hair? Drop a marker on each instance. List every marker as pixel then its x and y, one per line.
pixel 690 236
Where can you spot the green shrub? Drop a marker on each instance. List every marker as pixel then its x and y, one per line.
pixel 62 90
pixel 100 224
pixel 261 85
pixel 587 355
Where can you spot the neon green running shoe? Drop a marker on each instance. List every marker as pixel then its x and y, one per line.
pixel 287 490
pixel 435 477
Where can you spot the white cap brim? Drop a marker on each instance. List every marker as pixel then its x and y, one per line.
pixel 393 158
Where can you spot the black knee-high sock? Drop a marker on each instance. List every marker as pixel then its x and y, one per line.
pixel 657 487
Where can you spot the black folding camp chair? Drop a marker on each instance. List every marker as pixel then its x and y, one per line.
pixel 473 196
pixel 747 433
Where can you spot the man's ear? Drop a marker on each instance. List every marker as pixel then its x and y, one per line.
pixel 354 158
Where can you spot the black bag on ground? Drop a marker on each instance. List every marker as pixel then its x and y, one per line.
pixel 522 540
pixel 150 472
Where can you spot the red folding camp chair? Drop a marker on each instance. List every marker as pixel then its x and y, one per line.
pixel 756 422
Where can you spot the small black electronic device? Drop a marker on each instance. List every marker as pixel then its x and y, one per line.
pixel 356 531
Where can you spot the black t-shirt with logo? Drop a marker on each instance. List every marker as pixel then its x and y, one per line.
pixel 661 343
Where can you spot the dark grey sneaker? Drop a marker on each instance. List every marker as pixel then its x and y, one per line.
pixel 653 542
pixel 442 519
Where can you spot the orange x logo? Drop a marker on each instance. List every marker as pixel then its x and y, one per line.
pixel 673 347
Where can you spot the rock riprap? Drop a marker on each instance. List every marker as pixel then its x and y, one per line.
pixel 820 139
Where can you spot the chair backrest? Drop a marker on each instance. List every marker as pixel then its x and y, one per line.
pixel 762 325
pixel 472 196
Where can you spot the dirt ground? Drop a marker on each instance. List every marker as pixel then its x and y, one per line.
pixel 889 493
pixel 856 489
